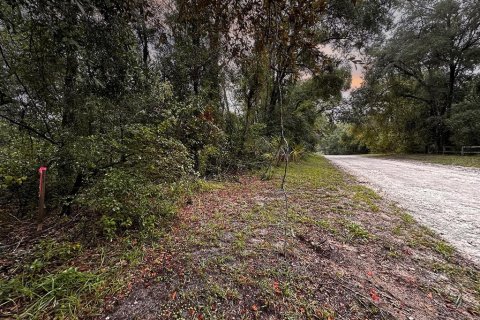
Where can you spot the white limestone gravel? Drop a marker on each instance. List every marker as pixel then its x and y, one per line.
pixel 444 198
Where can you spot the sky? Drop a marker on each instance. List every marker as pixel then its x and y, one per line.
pixel 357 70
pixel 357 77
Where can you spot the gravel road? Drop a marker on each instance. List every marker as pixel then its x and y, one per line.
pixel 444 198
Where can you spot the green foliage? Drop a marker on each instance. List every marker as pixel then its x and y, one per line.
pixel 304 106
pixel 465 119
pixel 128 102
pixel 210 160
pixel 444 249
pixel 126 201
pixel 340 139
pixel 50 253
pixel 297 152
pixel 356 231
pixel 56 295
pixel 414 97
pixel 106 96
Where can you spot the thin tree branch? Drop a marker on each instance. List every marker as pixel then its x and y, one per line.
pixel 29 128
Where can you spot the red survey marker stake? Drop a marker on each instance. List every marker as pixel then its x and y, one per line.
pixel 41 196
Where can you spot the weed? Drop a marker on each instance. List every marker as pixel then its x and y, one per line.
pixel 223 293
pixel 357 231
pixel 57 295
pixel 239 242
pixel 444 249
pixel 446 268
pixel 205 186
pixel 393 253
pixel 407 218
pixel 133 256
pixel 397 230
pixel 50 252
pixel 367 196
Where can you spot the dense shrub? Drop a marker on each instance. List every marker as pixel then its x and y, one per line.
pixel 126 200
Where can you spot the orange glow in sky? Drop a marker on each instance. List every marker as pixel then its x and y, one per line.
pixel 357 81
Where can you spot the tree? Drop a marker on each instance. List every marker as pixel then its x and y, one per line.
pixel 70 71
pixel 287 45
pixel 434 48
pixel 464 123
pixel 96 86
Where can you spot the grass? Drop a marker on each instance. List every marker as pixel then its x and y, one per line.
pixel 239 254
pixel 63 279
pixel 455 160
pixel 444 249
pixel 235 252
pixel 61 293
pixel 357 231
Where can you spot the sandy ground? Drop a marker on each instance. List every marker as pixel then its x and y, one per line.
pixel 444 198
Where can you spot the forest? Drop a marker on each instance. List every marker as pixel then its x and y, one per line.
pixel 128 111
pixel 421 89
pixel 115 96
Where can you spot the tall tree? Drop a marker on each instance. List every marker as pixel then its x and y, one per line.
pixel 434 49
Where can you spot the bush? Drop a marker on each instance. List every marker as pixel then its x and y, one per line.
pixel 143 191
pixel 340 139
pixel 129 201
pixel 210 160
pixel 20 157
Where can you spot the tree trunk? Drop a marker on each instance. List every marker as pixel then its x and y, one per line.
pixel 67 206
pixel 66 159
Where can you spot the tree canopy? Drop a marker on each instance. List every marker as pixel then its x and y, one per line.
pixel 419 78
pixel 121 99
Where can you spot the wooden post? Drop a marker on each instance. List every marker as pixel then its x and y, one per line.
pixel 41 197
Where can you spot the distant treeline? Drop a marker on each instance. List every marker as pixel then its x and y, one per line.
pixel 422 84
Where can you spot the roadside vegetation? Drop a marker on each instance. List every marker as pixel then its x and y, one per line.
pixel 127 106
pixel 453 160
pixel 341 252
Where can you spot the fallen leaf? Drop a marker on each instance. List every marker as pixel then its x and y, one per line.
pixel 374 295
pixel 276 287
